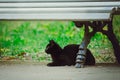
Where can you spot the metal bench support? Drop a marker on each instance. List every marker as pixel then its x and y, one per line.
pixel 97 26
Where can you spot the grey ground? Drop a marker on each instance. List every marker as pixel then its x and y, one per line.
pixel 11 70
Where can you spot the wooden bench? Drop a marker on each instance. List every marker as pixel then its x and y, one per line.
pixel 79 11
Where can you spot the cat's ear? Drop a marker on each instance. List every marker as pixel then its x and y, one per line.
pixel 52 41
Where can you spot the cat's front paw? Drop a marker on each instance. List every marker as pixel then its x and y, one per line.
pixel 52 64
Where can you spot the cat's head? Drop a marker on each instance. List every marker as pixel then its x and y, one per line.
pixel 53 48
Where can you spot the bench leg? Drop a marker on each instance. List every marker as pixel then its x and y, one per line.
pixel 111 36
pixel 81 55
pixel 97 26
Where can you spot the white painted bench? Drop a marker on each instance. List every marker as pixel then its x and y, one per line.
pixel 75 10
pixel 82 11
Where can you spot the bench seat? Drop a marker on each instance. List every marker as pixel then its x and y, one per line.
pixel 73 10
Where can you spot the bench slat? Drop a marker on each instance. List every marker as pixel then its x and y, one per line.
pixel 60 4
pixel 55 0
pixel 58 16
pixel 56 10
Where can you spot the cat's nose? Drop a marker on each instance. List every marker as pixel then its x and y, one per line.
pixel 46 50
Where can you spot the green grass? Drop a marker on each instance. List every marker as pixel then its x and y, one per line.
pixel 33 36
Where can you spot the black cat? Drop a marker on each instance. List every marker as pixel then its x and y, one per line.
pixel 67 55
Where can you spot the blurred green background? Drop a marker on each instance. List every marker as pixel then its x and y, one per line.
pixel 31 38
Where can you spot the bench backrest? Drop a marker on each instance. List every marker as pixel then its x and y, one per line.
pixel 75 10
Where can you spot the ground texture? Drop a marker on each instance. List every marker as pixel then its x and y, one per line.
pixel 12 70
